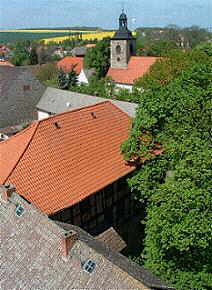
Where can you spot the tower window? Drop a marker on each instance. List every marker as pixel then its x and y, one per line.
pixel 118 59
pixel 118 49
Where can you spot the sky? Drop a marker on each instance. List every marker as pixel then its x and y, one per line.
pixel 104 13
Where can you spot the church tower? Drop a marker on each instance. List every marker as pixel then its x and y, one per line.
pixel 123 44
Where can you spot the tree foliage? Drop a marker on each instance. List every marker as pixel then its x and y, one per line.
pixel 67 80
pixel 177 185
pixel 98 57
pixel 168 68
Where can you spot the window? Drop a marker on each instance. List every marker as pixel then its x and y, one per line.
pixel 19 210
pixel 89 266
pixel 118 49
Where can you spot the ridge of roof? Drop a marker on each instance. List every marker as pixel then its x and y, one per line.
pixel 77 109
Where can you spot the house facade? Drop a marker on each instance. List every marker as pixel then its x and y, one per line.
pixel 110 206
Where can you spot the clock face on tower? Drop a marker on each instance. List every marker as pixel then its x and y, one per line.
pixel 118 49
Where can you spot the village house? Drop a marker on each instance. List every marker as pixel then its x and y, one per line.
pixel 38 253
pixel 69 63
pixel 125 66
pixel 20 91
pixel 70 166
pixel 56 101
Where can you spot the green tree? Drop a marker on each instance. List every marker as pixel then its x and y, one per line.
pixel 168 68
pixel 33 57
pixel 67 80
pixel 98 57
pixel 176 185
pixel 205 47
pixel 21 53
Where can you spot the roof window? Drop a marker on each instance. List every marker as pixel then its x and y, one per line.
pixel 57 125
pixel 93 115
pixel 19 210
pixel 89 266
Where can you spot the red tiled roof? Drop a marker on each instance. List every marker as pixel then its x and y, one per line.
pixel 55 168
pixel 90 45
pixel 6 63
pixel 137 67
pixel 71 62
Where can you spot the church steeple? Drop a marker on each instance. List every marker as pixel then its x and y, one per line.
pixel 123 21
pixel 123 44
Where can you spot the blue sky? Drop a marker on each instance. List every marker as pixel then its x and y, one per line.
pixel 103 13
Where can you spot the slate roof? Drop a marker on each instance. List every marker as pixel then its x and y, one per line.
pixel 71 62
pixel 112 239
pixel 137 67
pixel 59 161
pixel 56 101
pixel 20 91
pixel 79 51
pixel 31 256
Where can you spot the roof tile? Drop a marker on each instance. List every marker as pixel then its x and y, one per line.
pixel 57 167
pixel 137 67
pixel 70 62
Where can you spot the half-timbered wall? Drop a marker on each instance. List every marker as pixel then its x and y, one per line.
pixel 108 207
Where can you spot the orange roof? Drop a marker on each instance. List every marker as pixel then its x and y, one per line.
pixel 71 62
pixel 59 161
pixel 6 63
pixel 90 45
pixel 137 67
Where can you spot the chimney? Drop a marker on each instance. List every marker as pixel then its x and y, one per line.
pixel 68 242
pixel 6 191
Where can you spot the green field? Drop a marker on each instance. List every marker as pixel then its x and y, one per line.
pixel 6 37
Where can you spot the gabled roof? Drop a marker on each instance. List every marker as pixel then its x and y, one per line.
pixel 31 256
pixel 61 160
pixel 56 101
pixel 137 67
pixel 20 91
pixel 112 239
pixel 71 62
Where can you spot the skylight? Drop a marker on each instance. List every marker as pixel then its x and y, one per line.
pixel 19 210
pixel 89 266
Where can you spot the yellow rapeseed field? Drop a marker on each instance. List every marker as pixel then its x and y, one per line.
pixel 86 36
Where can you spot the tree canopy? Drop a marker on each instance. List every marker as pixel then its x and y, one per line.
pixel 175 111
pixel 98 57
